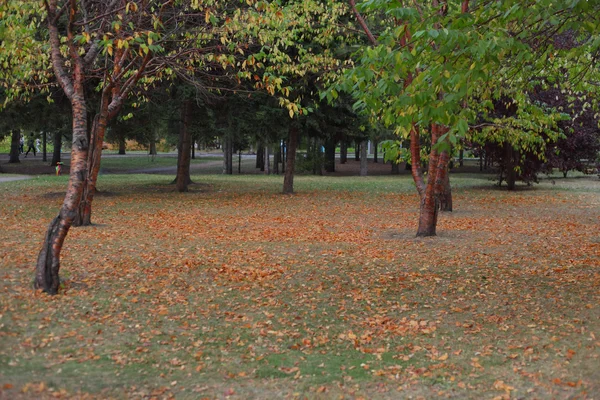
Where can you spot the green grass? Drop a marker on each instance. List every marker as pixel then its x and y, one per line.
pixel 234 290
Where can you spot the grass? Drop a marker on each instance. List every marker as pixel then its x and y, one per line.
pixel 234 290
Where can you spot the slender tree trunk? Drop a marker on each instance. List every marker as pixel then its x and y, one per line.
pixel 343 152
pixel 356 150
pixel 511 174
pixel 183 169
pixel 44 147
pixel 267 160
pixel 330 155
pixel 276 160
pixel 288 180
pixel 283 156
pixel 260 156
pixel 461 157
pixel 152 147
pixel 14 147
pixel 57 141
pixel 48 262
pixel 375 144
pixel 363 158
pixel 122 144
pixel 395 168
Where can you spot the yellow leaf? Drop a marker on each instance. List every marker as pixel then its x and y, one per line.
pixel 291 113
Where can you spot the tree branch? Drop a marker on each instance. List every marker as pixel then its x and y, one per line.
pixel 362 23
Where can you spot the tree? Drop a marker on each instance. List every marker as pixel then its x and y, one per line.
pixel 434 69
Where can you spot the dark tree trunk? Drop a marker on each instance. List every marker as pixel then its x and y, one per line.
pixel 375 144
pixel 193 149
pixel 267 160
pixel 44 147
pixel 228 156
pixel 183 168
pixel 330 155
pixel 152 147
pixel 283 156
pixel 363 158
pixel 343 152
pixel 288 180
pixel 276 160
pixel 57 141
pixel 395 168
pixel 511 174
pixel 122 143
pixel 356 150
pixel 14 147
pixel 260 156
pixel 461 157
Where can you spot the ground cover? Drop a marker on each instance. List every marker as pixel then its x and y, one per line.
pixel 235 291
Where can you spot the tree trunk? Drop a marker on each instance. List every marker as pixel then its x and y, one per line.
pixel 193 149
pixel 276 160
pixel 330 155
pixel 152 147
pixel 48 262
pixel 260 156
pixel 288 180
pixel 84 213
pixel 356 150
pixel 438 165
pixel 461 158
pixel 363 158
pixel 446 194
pixel 14 147
pixel 511 174
pixel 183 168
pixel 122 143
pixel 395 168
pixel 343 152
pixel 375 144
pixel 267 161
pixel 44 147
pixel 57 141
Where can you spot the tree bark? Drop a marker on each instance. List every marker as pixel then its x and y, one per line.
pixel 122 143
pixel 183 168
pixel 48 262
pixel 395 168
pixel 44 147
pixel 260 156
pixel 57 141
pixel 511 174
pixel 375 144
pixel 356 150
pixel 14 147
pixel 446 194
pixel 330 155
pixel 267 160
pixel 288 180
pixel 343 152
pixel 363 158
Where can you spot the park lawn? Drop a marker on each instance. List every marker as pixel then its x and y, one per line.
pixel 236 291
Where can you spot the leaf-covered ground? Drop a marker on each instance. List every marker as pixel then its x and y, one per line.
pixel 235 291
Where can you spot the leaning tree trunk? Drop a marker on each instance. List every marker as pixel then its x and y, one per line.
pixel 363 158
pixel 183 168
pixel 48 262
pixel 288 180
pixel 57 141
pixel 14 147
